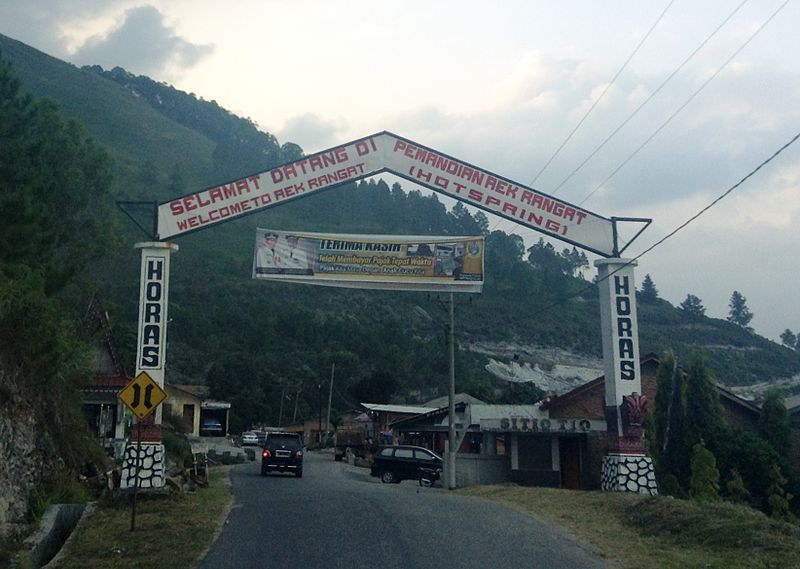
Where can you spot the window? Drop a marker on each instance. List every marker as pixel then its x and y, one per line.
pixel 422 455
pixel 386 452
pixel 404 453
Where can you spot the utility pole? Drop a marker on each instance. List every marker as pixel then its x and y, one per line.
pixel 330 396
pixel 294 415
pixel 451 402
pixel 319 414
pixel 280 413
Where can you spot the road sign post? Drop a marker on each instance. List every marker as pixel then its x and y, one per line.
pixel 136 482
pixel 142 396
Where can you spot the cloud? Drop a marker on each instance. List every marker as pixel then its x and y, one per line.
pixel 311 132
pixel 142 44
pixel 54 25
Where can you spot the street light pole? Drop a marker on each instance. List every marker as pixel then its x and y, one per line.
pixel 330 397
pixel 451 402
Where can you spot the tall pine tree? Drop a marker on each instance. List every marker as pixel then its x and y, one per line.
pixel 667 368
pixel 739 314
pixel 703 411
pixel 649 292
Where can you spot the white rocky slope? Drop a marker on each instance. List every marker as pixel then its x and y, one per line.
pixel 552 370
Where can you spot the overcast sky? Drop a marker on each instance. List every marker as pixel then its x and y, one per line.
pixel 502 85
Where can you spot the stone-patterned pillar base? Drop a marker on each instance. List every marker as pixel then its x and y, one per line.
pixel 629 473
pixel 152 472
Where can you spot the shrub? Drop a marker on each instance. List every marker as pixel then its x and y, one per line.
pixel 704 484
pixel 177 448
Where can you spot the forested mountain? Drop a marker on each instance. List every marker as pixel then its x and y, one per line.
pixel 252 341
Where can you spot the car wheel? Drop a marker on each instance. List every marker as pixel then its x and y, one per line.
pixel 299 473
pixel 388 477
pixel 264 471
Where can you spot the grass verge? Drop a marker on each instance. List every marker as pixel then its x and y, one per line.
pixel 172 531
pixel 635 532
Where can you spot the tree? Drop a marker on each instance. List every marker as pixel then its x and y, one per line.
pixel 739 313
pixel 675 458
pixel 773 424
pixel 54 185
pixel 575 261
pixel 752 457
pixel 377 388
pixel 703 410
pixel 649 293
pixel 693 306
pixel 53 197
pixel 777 496
pixel 667 369
pixel 705 476
pixel 736 490
pixel 789 339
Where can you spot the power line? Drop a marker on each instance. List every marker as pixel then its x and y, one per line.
pixel 608 86
pixel 674 231
pixel 723 195
pixel 683 106
pixel 648 99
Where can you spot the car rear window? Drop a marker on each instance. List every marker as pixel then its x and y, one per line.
pixel 281 439
pixel 386 452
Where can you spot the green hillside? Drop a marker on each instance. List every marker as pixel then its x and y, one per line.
pixel 252 340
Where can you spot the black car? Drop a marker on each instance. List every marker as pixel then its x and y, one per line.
pixel 282 452
pixel 397 463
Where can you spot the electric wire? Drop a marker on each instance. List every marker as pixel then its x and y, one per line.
pixel 674 231
pixel 608 86
pixel 648 99
pixel 684 105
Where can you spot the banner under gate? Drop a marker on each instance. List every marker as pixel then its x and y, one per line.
pixel 395 262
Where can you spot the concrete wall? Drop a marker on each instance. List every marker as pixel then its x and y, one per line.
pixel 474 469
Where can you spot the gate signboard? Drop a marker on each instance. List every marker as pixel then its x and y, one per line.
pixel 387 152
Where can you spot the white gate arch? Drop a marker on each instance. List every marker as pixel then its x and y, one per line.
pixel 625 468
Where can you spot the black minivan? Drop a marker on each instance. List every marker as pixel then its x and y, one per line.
pixel 397 463
pixel 282 452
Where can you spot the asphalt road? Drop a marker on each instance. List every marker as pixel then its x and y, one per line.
pixel 339 516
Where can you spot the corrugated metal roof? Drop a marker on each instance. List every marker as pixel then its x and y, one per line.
pixel 792 403
pixel 408 409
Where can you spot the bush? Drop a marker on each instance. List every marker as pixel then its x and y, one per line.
pixel 704 484
pixel 736 490
pixel 61 488
pixel 177 448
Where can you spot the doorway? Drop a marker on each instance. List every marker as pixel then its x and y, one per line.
pixel 569 449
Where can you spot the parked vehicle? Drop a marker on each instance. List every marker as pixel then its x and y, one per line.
pixel 211 428
pixel 397 463
pixel 357 438
pixel 249 438
pixel 282 452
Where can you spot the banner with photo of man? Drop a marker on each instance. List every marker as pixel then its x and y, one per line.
pixel 395 262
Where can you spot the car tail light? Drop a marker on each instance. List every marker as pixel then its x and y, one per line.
pixel 298 454
pixel 265 454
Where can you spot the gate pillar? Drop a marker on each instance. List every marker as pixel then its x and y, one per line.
pixel 151 348
pixel 626 468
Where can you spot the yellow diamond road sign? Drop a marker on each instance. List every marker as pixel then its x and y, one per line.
pixel 142 395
